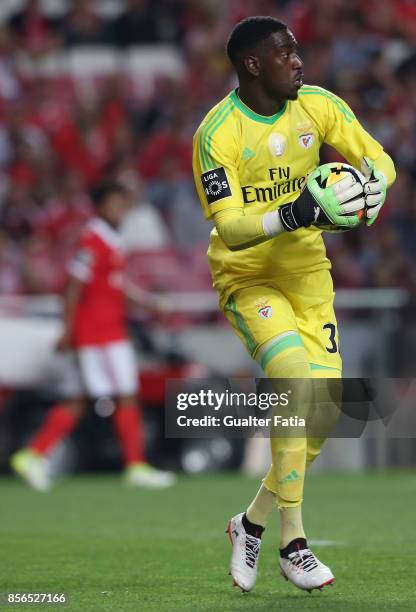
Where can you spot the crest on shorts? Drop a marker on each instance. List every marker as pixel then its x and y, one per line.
pixel 264 310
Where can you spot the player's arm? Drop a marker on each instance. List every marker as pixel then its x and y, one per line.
pixel 240 231
pixel 72 297
pixel 214 162
pixel 145 300
pixel 344 132
pixel 80 272
pixel 219 191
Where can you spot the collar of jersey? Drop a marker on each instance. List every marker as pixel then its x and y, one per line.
pixel 107 233
pixel 251 114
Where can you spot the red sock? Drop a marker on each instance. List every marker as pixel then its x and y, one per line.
pixel 60 421
pixel 128 425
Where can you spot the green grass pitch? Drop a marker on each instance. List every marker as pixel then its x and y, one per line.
pixel 113 548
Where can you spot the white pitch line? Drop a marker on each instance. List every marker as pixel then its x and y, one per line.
pixel 325 543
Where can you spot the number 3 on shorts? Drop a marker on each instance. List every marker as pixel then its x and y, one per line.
pixel 332 338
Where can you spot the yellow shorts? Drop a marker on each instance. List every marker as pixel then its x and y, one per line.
pixel 302 304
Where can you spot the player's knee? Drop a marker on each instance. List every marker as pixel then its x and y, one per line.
pixel 284 357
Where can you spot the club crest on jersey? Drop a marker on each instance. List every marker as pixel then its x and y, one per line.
pixel 306 140
pixel 305 135
pixel 215 184
pixel 277 144
pixel 264 310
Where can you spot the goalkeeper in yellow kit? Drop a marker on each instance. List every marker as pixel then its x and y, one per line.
pixel 254 155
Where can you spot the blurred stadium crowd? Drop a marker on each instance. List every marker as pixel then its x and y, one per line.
pixel 59 134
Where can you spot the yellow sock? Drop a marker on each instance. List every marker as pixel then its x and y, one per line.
pixel 326 410
pixel 287 472
pixel 291 525
pixel 261 507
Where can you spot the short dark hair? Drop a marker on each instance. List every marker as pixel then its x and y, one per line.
pixel 249 32
pixel 100 192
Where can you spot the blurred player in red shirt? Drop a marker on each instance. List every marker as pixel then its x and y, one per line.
pixel 95 330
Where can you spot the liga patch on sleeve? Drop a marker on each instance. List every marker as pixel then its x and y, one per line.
pixel 85 257
pixel 216 185
pixel 81 265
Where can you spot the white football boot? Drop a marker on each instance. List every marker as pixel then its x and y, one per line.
pixel 305 570
pixel 146 476
pixel 245 555
pixel 32 467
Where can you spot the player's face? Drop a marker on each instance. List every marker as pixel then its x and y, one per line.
pixel 114 208
pixel 280 69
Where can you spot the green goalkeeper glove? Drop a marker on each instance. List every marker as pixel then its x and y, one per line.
pixel 332 205
pixel 375 190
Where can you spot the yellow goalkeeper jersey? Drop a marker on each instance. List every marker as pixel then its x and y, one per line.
pixel 245 160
